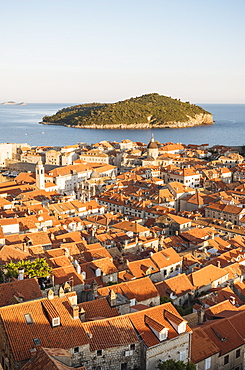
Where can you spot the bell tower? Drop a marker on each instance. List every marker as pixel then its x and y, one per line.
pixel 40 183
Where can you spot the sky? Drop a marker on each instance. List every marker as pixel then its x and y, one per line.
pixel 76 51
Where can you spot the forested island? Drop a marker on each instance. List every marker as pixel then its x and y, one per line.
pixel 147 111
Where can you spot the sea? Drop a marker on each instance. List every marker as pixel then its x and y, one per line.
pixel 21 124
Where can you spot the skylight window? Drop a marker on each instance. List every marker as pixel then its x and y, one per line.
pixel 36 341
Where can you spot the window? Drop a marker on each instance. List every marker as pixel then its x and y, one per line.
pixel 56 322
pixel 76 349
pixel 226 359
pixel 238 353
pixel 36 341
pixel 207 363
pixel 132 347
pixel 99 352
pixel 182 355
pixel 28 318
pixel 124 366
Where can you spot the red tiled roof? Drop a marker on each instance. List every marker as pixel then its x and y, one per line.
pixel 111 332
pixel 98 308
pixel 27 289
pixel 158 314
pixel 139 289
pixel 49 359
pixel 68 335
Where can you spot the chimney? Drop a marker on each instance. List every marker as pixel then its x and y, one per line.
pixel 112 298
pixel 61 292
pixel 24 247
pixel 82 315
pixel 218 264
pixel 33 352
pixel 94 289
pixel 200 316
pixel 67 252
pixel 21 273
pixel 50 294
pixel 89 335
pixel 232 300
pixel 75 311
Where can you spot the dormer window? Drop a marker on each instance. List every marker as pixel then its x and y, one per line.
pixel 157 328
pixel 56 321
pixel 28 318
pixel 178 323
pixel 51 313
pixel 163 334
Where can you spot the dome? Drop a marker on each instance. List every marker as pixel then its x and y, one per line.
pixel 152 145
pixel 95 175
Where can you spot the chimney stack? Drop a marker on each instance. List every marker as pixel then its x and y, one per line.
pixel 75 311
pixel 200 315
pixel 112 298
pixel 61 292
pixel 82 315
pixel 21 273
pixel 50 294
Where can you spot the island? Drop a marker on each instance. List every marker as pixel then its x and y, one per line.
pixel 12 103
pixel 143 112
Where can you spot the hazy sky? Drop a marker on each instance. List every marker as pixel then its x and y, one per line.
pixel 80 51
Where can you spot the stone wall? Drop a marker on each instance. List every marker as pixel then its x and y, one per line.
pixel 168 349
pixel 110 358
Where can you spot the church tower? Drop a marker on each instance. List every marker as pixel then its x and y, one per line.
pixel 40 183
pixel 152 148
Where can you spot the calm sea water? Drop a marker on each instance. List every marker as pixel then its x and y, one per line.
pixel 20 124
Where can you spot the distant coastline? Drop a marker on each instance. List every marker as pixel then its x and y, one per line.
pixel 12 103
pixel 198 120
